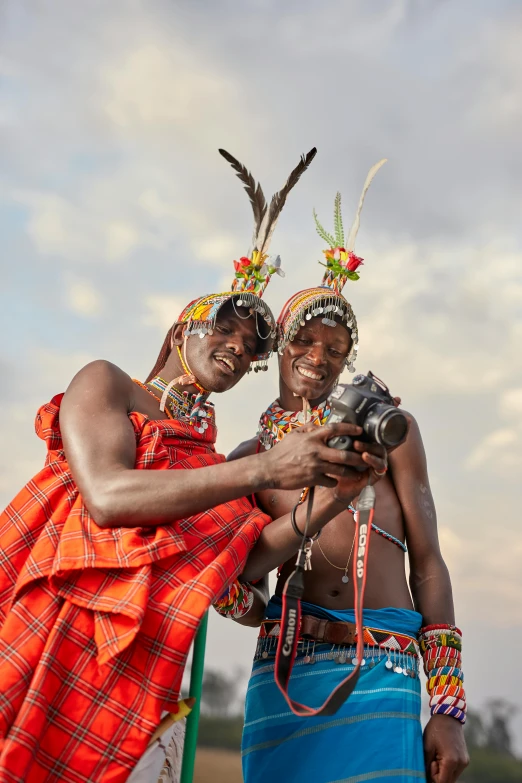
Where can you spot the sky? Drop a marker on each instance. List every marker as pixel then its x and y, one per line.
pixel 116 210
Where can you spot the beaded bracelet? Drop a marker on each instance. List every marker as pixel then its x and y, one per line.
pixel 441 647
pixel 236 601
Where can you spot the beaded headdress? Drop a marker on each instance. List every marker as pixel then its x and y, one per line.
pixel 341 264
pixel 253 271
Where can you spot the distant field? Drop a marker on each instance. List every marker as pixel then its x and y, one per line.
pixel 217 766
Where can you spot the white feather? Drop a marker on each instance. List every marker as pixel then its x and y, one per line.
pixel 357 220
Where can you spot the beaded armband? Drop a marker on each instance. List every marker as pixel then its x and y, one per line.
pixel 236 601
pixel 441 648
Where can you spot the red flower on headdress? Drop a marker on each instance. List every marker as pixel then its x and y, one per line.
pixel 354 262
pixel 241 265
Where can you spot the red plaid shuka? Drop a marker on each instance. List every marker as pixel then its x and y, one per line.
pixel 95 625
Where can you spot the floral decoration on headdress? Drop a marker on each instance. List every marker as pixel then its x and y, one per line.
pixel 327 300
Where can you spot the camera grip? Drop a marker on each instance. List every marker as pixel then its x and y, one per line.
pixel 344 443
pixel 341 442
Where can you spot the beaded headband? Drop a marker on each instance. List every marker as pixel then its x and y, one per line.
pixel 252 272
pixel 327 299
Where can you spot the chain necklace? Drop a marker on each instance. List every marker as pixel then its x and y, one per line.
pixel 345 578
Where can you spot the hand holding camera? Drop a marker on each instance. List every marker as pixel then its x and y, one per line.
pixel 367 402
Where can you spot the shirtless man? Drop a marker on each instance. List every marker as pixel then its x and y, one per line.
pixel 376 735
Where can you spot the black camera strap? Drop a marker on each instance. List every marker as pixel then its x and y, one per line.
pixel 291 610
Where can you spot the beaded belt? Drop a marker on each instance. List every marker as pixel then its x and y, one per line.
pixel 343 633
pixel 401 650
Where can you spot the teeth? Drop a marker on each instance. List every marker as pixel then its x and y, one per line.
pixel 309 374
pixel 226 361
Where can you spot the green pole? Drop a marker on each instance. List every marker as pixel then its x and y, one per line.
pixel 196 684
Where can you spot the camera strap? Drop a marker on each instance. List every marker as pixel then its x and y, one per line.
pixel 291 610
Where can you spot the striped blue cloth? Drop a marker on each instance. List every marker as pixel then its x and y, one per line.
pixel 375 736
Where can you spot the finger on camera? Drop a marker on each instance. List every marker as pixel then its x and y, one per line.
pixel 369 448
pixel 354 462
pixel 376 463
pixel 340 428
pixel 340 457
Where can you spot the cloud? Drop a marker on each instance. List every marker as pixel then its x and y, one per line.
pixel 511 404
pixel 83 298
pixel 162 310
pixel 154 87
pixel 500 451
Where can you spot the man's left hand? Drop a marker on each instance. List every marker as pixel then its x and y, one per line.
pixel 445 752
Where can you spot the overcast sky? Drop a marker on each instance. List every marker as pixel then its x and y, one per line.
pixel 115 210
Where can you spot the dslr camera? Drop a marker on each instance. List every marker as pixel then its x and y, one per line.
pixel 367 402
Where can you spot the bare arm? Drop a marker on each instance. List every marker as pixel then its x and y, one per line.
pixel 429 578
pixel 100 446
pixel 445 752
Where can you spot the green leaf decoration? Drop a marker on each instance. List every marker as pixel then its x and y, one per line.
pixel 322 233
pixel 338 222
pixel 352 275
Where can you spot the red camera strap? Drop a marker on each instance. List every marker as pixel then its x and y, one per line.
pixel 291 612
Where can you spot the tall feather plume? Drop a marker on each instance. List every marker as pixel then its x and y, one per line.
pixel 264 235
pixel 357 220
pixel 253 189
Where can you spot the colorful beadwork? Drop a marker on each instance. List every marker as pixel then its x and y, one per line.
pixel 200 316
pixel 441 647
pixel 400 651
pixel 383 533
pixel 192 408
pixel 275 422
pixel 313 302
pixel 236 601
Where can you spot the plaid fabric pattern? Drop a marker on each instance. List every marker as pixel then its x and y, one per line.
pixel 96 625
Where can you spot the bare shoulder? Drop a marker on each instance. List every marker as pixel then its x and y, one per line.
pixel 410 455
pixel 99 380
pixel 100 372
pixel 245 449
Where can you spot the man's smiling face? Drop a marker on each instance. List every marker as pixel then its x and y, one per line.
pixel 312 362
pixel 222 358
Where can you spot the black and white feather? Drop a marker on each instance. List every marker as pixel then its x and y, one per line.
pixel 265 218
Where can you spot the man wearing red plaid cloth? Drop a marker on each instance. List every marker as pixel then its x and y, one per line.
pixel 113 552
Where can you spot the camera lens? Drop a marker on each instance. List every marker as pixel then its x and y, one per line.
pixel 393 428
pixel 386 425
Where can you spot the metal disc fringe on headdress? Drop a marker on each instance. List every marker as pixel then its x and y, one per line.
pixel 254 271
pixel 327 299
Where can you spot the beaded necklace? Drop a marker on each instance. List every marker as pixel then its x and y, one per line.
pixel 193 409
pixel 275 422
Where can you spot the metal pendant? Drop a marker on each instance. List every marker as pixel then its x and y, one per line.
pixel 345 579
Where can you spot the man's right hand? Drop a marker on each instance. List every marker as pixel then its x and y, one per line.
pixel 303 458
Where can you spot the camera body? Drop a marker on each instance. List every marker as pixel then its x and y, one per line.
pixel 367 402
